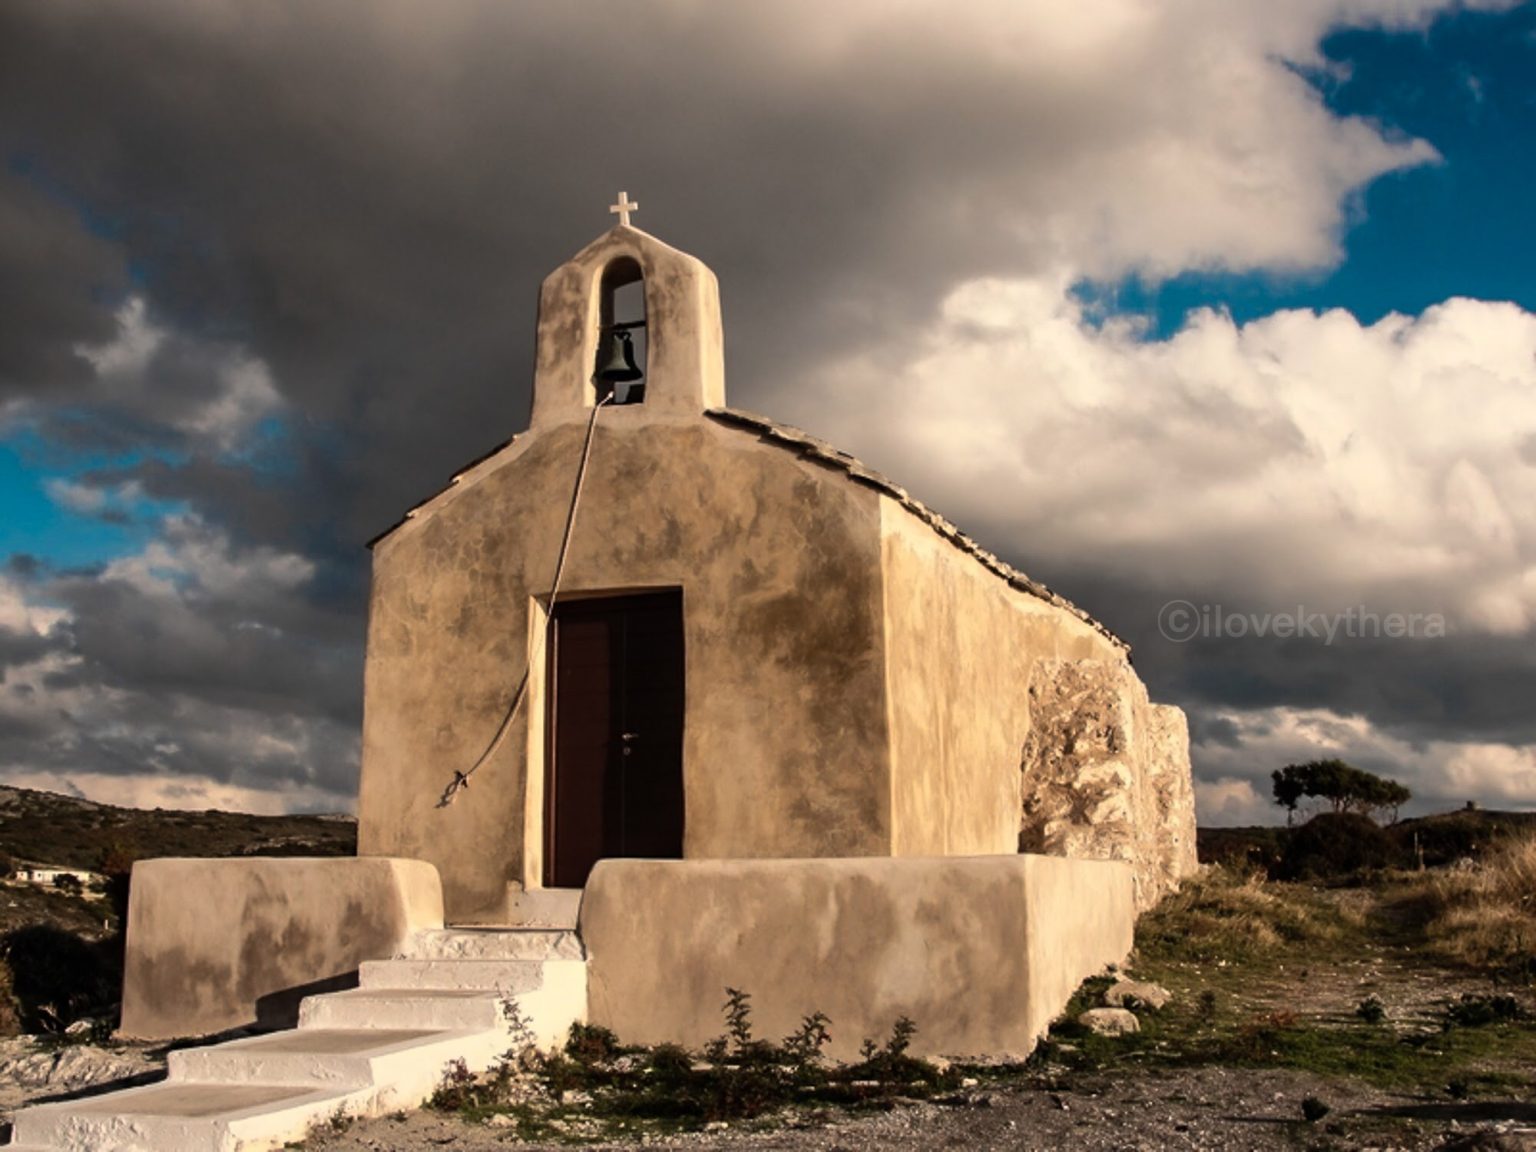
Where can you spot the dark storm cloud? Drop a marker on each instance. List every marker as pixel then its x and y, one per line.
pixel 355 202
pixel 214 651
pixel 196 660
pixel 20 648
pixel 56 276
pixel 363 198
pixel 1458 686
pixel 365 195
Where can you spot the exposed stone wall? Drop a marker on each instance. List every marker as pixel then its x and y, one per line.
pixel 1173 795
pixel 1105 774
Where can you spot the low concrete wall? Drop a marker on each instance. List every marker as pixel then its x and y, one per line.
pixel 981 952
pixel 220 944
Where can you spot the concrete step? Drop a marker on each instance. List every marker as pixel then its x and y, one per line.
pixel 508 977
pixel 531 908
pixel 180 1116
pixel 271 1090
pixel 376 1049
pixel 344 1058
pixel 496 944
pixel 455 1008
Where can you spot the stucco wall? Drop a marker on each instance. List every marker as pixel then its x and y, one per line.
pixel 980 952
pixel 220 944
pixel 779 563
pixel 961 648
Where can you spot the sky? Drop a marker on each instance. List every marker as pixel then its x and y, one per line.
pixel 1219 316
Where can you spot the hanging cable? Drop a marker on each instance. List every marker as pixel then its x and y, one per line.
pixel 460 779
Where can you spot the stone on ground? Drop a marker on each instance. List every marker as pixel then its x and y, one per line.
pixel 1110 1021
pixel 1136 994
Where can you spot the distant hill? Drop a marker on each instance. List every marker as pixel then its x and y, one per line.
pixel 60 952
pixel 1439 839
pixel 48 828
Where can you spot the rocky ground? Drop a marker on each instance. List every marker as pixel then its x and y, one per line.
pixel 34 1070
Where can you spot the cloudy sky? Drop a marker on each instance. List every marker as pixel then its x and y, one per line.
pixel 1213 314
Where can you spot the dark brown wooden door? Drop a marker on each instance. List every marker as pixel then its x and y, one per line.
pixel 615 782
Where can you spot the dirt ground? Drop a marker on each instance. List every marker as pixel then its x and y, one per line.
pixel 1203 1108
pixel 1197 1108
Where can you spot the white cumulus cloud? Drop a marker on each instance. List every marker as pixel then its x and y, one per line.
pixel 1297 457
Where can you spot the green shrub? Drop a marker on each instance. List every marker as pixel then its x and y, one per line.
pixel 1472 1011
pixel 57 977
pixel 1336 846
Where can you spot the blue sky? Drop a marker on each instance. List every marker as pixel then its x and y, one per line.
pixel 1459 227
pixel 268 278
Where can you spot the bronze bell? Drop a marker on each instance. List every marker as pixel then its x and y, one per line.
pixel 617 365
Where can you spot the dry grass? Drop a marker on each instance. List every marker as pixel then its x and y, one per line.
pixel 1231 915
pixel 1485 915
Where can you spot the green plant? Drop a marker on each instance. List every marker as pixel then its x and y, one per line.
pixel 1313 1109
pixel 805 1043
pixel 1334 846
pixel 1371 1010
pixel 458 1089
pixel 1472 1011
pixel 738 1017
pixel 590 1044
pixel 519 1028
pixel 1207 1006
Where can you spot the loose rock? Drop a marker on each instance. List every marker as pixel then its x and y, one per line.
pixel 1110 1021
pixel 1134 994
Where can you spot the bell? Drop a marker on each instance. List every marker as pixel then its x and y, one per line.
pixel 617 365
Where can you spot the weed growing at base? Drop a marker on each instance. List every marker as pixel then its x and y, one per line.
pixel 598 1087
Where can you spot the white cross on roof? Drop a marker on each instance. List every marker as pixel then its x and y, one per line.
pixel 624 207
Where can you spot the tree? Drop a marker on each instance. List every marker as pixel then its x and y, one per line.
pixel 1345 787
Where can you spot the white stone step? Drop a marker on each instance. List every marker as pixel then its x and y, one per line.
pixel 508 977
pixel 496 944
pixel 455 1008
pixel 532 908
pixel 331 1057
pixel 545 907
pixel 376 1049
pixel 233 1097
pixel 180 1116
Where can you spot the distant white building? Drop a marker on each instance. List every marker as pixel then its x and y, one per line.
pixel 46 874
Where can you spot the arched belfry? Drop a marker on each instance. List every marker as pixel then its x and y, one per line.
pixel 677 340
